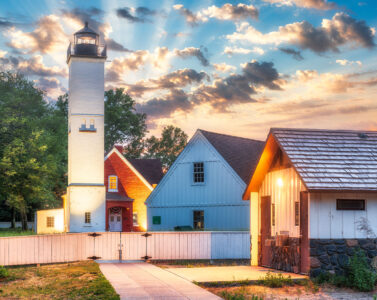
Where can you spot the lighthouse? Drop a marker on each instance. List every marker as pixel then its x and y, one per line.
pixel 85 210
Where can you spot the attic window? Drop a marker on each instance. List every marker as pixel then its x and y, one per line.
pixel 350 204
pixel 198 172
pixel 113 183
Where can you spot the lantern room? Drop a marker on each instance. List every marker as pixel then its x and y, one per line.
pixel 86 43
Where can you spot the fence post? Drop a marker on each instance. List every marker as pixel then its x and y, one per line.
pixel 146 257
pixel 94 235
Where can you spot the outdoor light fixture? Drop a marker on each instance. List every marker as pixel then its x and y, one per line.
pixel 280 182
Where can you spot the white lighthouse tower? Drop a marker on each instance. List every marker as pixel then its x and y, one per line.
pixel 86 206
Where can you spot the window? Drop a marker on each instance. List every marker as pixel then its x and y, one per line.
pixel 134 218
pixel 113 183
pixel 50 222
pixel 198 219
pixel 350 204
pixel 198 172
pixel 85 128
pixel 156 220
pixel 297 213
pixel 92 124
pixel 273 214
pixel 88 218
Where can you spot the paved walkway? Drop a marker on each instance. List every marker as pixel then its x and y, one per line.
pixel 227 273
pixel 146 281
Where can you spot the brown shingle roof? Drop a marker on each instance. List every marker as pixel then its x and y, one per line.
pixel 242 154
pixel 332 159
pixel 150 169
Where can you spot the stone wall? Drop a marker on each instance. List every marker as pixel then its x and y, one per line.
pixel 333 255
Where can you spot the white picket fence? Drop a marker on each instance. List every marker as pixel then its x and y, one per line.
pixel 54 248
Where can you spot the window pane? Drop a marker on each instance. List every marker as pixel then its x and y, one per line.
pixel 198 175
pixel 50 222
pixel 297 213
pixel 87 218
pixel 350 204
pixel 198 219
pixel 112 182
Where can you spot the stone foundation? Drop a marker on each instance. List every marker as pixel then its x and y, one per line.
pixel 333 255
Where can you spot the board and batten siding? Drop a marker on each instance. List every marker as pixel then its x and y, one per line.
pixel 284 187
pixel 176 197
pixel 329 223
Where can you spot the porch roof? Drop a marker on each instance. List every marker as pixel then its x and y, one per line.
pixel 117 197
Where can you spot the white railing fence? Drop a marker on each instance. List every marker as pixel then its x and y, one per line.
pixel 66 247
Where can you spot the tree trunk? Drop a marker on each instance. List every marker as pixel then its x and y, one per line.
pixel 24 220
pixel 13 221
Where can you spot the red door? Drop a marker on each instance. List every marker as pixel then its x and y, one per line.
pixel 265 230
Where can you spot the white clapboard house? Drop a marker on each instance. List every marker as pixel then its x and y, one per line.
pixel 203 188
pixel 314 199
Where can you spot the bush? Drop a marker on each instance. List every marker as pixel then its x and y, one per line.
pixel 3 272
pixel 239 296
pixel 275 280
pixel 359 274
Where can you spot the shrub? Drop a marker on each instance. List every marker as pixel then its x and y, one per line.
pixel 3 272
pixel 275 280
pixel 359 274
pixel 238 296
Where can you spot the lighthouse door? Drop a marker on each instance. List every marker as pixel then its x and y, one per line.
pixel 115 219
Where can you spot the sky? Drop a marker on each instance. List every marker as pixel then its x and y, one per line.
pixel 233 67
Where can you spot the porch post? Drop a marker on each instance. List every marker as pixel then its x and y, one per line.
pixel 254 227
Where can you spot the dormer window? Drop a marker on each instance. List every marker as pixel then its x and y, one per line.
pixel 113 183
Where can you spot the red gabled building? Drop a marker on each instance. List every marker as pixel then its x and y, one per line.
pixel 128 184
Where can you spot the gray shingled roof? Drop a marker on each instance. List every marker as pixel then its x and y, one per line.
pixel 242 154
pixel 149 168
pixel 332 159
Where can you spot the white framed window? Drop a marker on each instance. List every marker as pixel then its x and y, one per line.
pixel 113 183
pixel 198 173
pixel 50 222
pixel 88 218
pixel 134 218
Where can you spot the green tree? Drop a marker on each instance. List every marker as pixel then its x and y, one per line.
pixel 123 124
pixel 27 164
pixel 168 147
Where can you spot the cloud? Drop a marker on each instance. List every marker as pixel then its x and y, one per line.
pixel 316 4
pixel 177 79
pixel 224 68
pixel 115 46
pixel 340 30
pixel 6 23
pixel 237 50
pixel 295 54
pixel 138 15
pixel 32 67
pixel 47 37
pixel 239 88
pixel 175 100
pixel 345 62
pixel 306 75
pixel 226 12
pixel 196 52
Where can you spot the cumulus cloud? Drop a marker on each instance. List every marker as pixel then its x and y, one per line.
pixel 306 75
pixel 238 50
pixel 340 30
pixel 32 67
pixel 290 51
pixel 345 62
pixel 239 88
pixel 224 68
pixel 136 15
pixel 316 4
pixel 47 37
pixel 199 53
pixel 226 12
pixel 175 100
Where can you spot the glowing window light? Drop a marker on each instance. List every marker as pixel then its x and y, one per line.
pixel 280 182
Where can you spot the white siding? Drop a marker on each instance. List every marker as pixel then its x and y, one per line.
pixel 284 196
pixel 220 197
pixel 328 223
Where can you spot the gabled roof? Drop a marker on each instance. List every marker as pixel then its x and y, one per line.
pixel 241 154
pixel 326 160
pixel 151 169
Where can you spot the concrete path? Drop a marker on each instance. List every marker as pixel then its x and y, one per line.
pixel 146 281
pixel 227 273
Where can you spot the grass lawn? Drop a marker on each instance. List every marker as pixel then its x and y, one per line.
pixel 14 232
pixel 80 280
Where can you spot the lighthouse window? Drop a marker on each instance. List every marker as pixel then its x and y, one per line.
pixel 113 183
pixel 92 124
